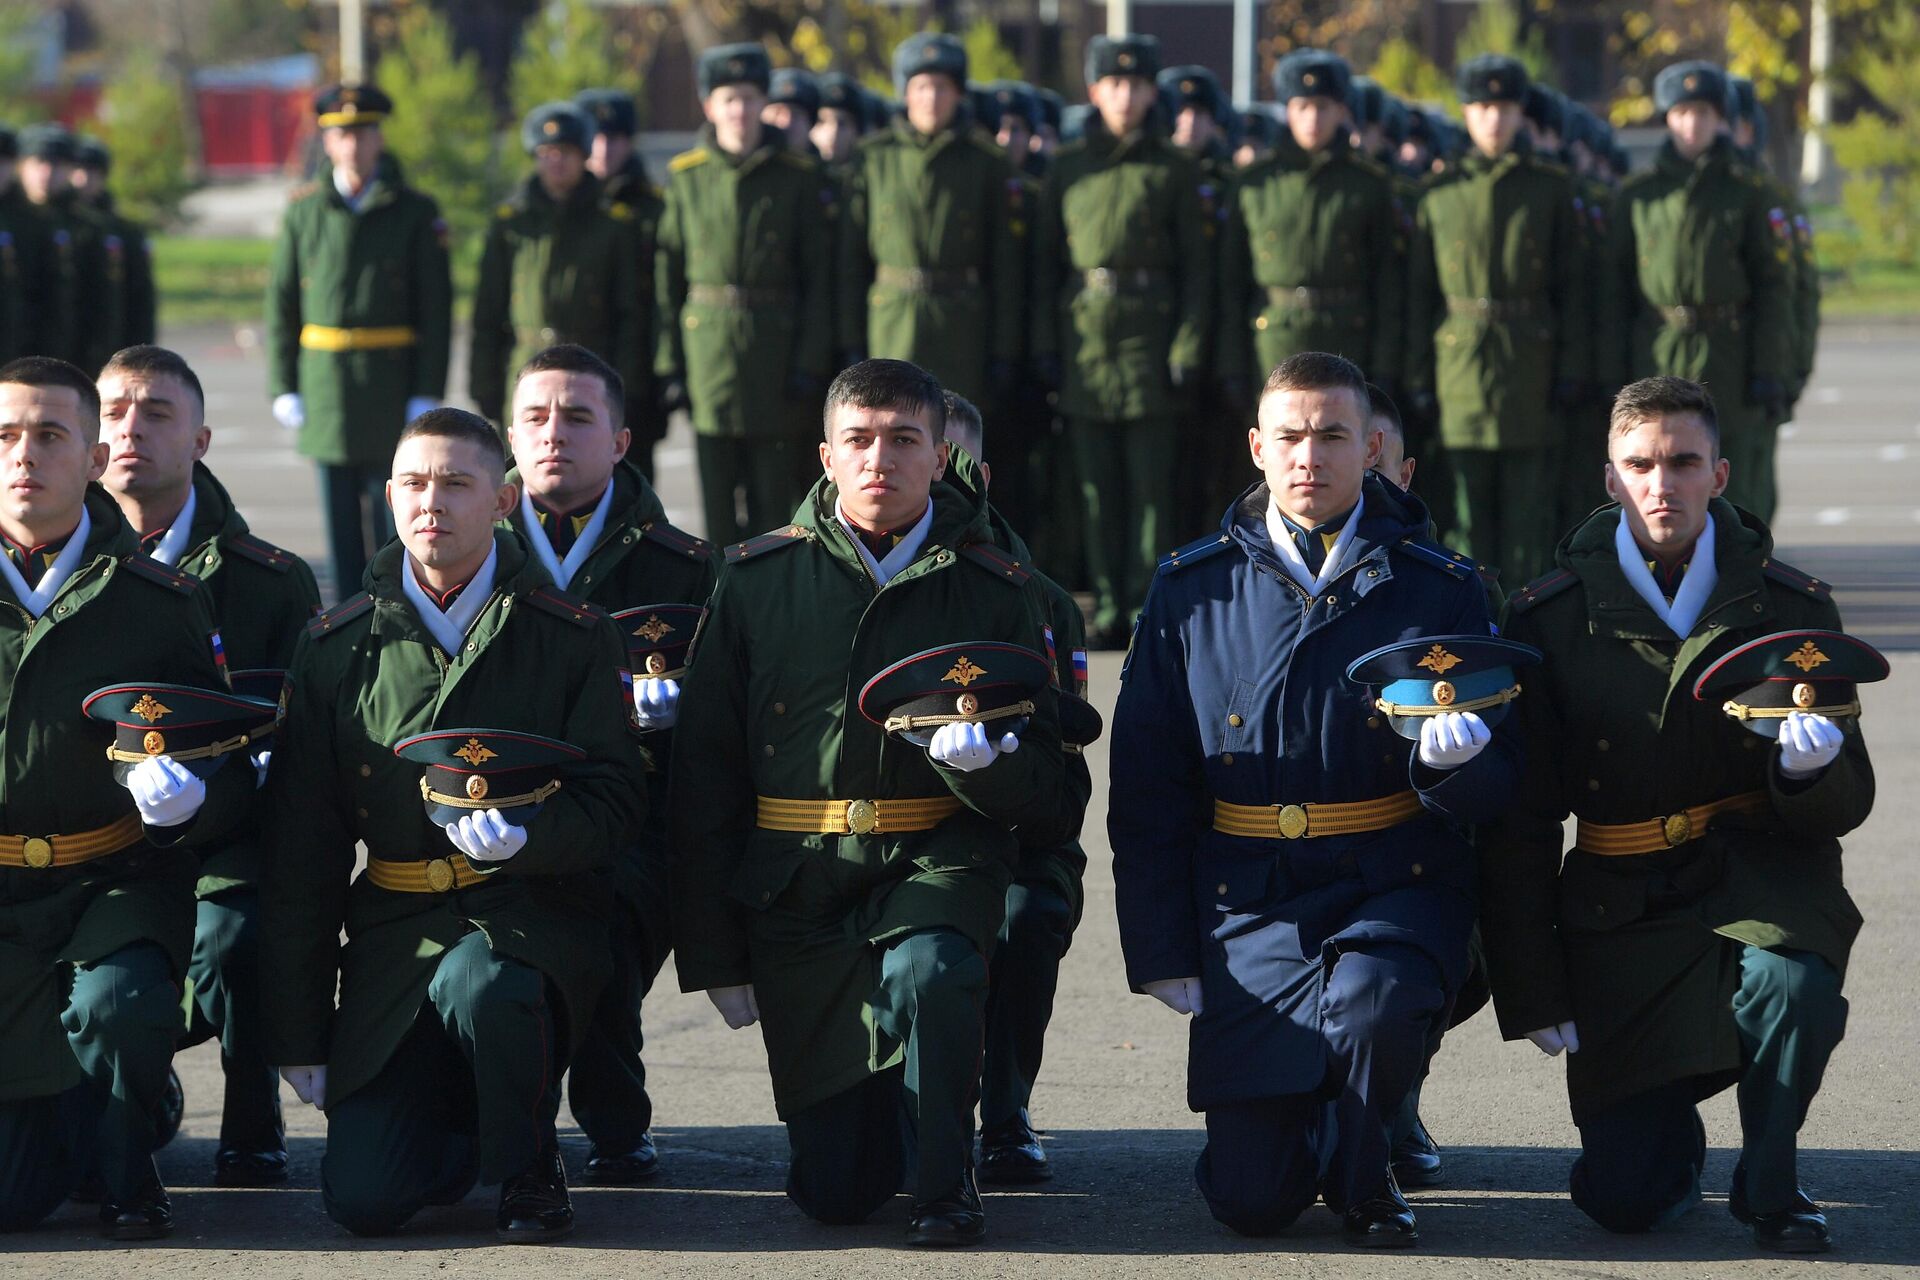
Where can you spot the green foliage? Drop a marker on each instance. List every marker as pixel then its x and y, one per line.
pixel 1880 147
pixel 987 58
pixel 441 129
pixel 570 45
pixel 211 279
pixel 1496 28
pixel 1403 70
pixel 19 53
pixel 143 122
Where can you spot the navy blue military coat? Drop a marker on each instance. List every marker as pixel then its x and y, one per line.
pixel 1236 690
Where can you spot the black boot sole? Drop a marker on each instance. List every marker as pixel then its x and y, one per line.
pixel 505 1236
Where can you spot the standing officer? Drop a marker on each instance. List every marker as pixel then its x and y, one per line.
pixel 558 267
pixel 479 928
pixel 838 883
pixel 1787 217
pixel 359 320
pixel 932 265
pixel 1497 323
pixel 841 121
pixel 128 306
pixel 25 253
pixel 598 528
pixel 1696 935
pixel 745 298
pixel 624 181
pixel 1121 313
pixel 1699 278
pixel 97 882
pixel 1311 262
pixel 793 101
pixel 153 418
pixel 1317 926
pixel 75 273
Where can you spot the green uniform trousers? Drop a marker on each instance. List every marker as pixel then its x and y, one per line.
pixel 1024 976
pixel 469 1096
pixel 768 474
pixel 607 1081
pixel 852 1152
pixel 122 1017
pixel 1506 506
pixel 1127 473
pixel 1749 451
pixel 1640 1159
pixel 224 980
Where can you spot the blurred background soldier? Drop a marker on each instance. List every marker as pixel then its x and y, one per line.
pixel 127 307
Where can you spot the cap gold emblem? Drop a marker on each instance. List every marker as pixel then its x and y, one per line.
pixel 153 743
pixel 735 67
pixel 964 673
pixel 1438 660
pixel 652 629
pixel 551 127
pixel 1803 696
pixel 475 754
pixel 656 664
pixel 150 708
pixel 1493 85
pixel 36 853
pixel 1693 82
pixel 1186 86
pixel 929 53
pixel 1310 79
pixel 1443 693
pixel 476 788
pixel 1125 60
pixel 439 875
pixel 1806 657
pixel 967 704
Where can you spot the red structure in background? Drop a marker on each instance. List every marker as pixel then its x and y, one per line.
pixel 254 119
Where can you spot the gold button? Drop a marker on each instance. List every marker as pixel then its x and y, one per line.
pixel 37 853
pixel 366 771
pixel 1604 745
pixel 1373 722
pixel 766 896
pixel 1260 323
pixel 1417 868
pixel 1593 784
pixel 361 812
pixel 1235 721
pixel 1227 759
pixel 779 708
pixel 767 750
pixel 1220 889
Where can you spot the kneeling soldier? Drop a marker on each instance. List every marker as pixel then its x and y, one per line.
pixel 96 890
pixel 477 937
pixel 1697 934
pixel 841 870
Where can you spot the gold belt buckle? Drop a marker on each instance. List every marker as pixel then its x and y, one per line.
pixel 440 877
pixel 36 852
pixel 1677 828
pixel 1292 821
pixel 862 817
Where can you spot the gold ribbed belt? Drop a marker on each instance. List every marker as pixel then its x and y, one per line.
pixel 325 337
pixel 737 296
pixel 435 876
pixel 1294 821
pixel 854 817
pixel 39 852
pixel 1313 297
pixel 1694 317
pixel 927 279
pixel 1655 834
pixel 1496 309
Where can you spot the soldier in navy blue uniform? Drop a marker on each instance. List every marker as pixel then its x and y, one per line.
pixel 1288 871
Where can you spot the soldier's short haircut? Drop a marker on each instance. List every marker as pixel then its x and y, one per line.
pixel 964 426
pixel 1318 371
pixel 149 361
pixel 1653 398
pixel 1385 409
pixel 458 424
pixel 47 372
pixel 888 384
pixel 571 357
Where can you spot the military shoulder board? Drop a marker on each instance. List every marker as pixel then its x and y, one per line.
pixel 997 562
pixel 752 547
pixel 552 600
pixel 153 571
pixel 1439 557
pixel 1792 577
pixel 678 540
pixel 1542 588
pixel 326 623
pixel 260 551
pixel 688 160
pixel 1194 552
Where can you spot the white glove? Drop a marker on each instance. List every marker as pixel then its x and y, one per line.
pixel 1452 738
pixel 1551 1040
pixel 417 405
pixel 1808 744
pixel 290 411
pixel 1182 995
pixel 164 792
pixel 657 702
pixel 736 1004
pixel 965 747
pixel 485 836
pixel 260 763
pixel 309 1084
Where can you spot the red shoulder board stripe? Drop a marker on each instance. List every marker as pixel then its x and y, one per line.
pixel 347 610
pixel 996 561
pixel 1794 578
pixel 678 540
pixel 552 600
pixel 153 571
pixel 260 551
pixel 1542 588
pixel 765 542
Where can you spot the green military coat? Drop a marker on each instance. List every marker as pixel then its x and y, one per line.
pixel 368 674
pixel 1129 208
pixel 76 279
pixel 1497 300
pixel 769 709
pixel 644 202
pixel 1633 949
pixel 262 598
pixel 126 314
pixel 1698 235
pixel 554 271
pixel 1793 236
pixel 383 267
pixel 55 779
pixel 932 265
pixel 1312 262
pixel 744 279
pixel 25 294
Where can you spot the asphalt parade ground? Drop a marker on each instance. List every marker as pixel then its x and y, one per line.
pixel 1111 1096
